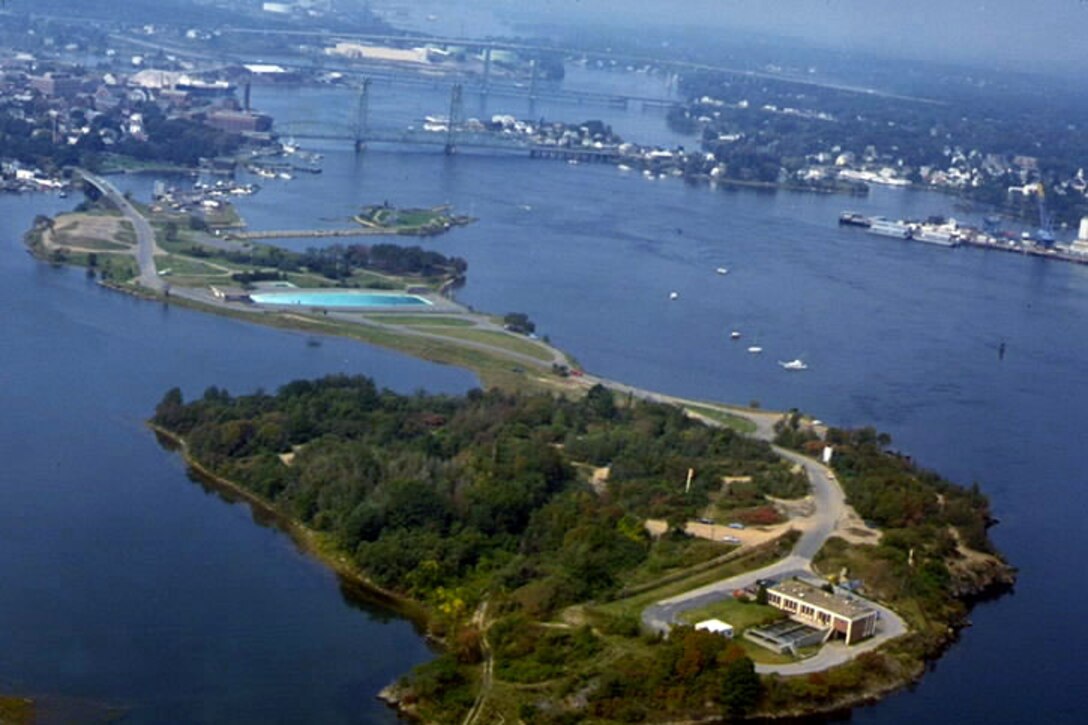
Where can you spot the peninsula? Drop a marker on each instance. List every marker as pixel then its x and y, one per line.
pixel 548 530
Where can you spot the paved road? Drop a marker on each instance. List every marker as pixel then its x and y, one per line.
pixel 145 235
pixel 830 508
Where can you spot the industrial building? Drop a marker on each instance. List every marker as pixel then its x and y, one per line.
pixel 836 614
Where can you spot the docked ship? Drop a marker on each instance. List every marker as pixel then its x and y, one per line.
pixel 889 228
pixel 854 219
pixel 935 235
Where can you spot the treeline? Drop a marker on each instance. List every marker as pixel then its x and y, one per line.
pixel 430 493
pixel 890 490
pixel 453 499
pixel 339 262
pixel 176 140
pixel 924 520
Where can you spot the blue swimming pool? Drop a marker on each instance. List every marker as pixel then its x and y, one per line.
pixel 339 298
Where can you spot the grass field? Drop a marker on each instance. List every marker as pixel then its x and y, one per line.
pixel 741 425
pixel 741 615
pixel 189 267
pixel 633 606
pixel 421 320
pixel 501 339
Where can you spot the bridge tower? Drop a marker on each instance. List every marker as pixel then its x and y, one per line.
pixel 534 70
pixel 487 70
pixel 456 119
pixel 362 117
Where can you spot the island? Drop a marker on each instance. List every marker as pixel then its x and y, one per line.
pixel 548 542
pixel 415 222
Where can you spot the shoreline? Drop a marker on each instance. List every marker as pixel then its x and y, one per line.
pixel 914 664
pixel 308 540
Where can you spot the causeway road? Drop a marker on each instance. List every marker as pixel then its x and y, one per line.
pixel 145 235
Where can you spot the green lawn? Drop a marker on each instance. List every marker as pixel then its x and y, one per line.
pixel 93 243
pixel 739 614
pixel 502 340
pixel 421 320
pixel 126 234
pixel 633 606
pixel 737 423
pixel 189 267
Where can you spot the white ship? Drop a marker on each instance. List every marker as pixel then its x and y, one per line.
pixel 944 235
pixel 889 228
pixel 797 364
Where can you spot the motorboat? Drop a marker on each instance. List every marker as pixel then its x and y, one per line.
pixel 797 364
pixel 722 270
pixel 734 335
pixel 674 295
pixel 755 349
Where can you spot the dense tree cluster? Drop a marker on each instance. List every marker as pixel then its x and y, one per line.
pixel 692 666
pixel 429 493
pixel 176 140
pixel 339 262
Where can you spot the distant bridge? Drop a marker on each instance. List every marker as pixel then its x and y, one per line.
pixel 452 135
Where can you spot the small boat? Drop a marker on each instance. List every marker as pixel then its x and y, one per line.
pixel 755 349
pixel 722 270
pixel 734 335
pixel 674 295
pixel 797 364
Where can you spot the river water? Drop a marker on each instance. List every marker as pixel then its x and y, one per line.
pixel 126 582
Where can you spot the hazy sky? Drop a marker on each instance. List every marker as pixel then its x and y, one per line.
pixel 1037 33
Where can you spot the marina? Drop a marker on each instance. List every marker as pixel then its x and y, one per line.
pixel 942 232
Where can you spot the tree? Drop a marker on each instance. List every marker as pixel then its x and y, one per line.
pixel 741 687
pixel 518 322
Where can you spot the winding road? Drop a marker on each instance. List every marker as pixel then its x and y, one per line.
pixel 830 509
pixel 145 235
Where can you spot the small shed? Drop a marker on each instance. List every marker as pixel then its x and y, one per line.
pixel 230 294
pixel 716 626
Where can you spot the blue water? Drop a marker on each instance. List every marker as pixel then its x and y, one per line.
pixel 339 299
pixel 125 581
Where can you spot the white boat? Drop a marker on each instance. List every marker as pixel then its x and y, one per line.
pixel 722 270
pixel 889 228
pixel 755 349
pixel 674 295
pixel 734 335
pixel 943 236
pixel 797 364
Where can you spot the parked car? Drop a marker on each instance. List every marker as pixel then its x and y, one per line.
pixel 736 525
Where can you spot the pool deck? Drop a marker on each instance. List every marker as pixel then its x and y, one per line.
pixel 428 301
